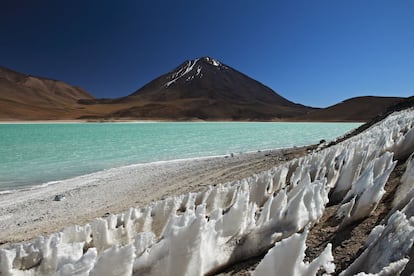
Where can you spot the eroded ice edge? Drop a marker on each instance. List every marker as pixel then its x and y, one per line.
pixel 199 233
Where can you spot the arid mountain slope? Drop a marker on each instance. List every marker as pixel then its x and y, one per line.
pixel 206 89
pixel 359 109
pixel 199 89
pixel 26 97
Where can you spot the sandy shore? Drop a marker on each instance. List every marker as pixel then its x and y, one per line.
pixel 28 213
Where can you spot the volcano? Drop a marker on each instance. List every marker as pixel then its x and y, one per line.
pixel 205 89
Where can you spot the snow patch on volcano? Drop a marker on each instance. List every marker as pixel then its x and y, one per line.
pixel 182 71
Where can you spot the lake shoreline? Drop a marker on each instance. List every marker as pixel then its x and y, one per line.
pixel 27 213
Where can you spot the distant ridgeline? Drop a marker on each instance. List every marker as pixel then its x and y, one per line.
pixel 199 89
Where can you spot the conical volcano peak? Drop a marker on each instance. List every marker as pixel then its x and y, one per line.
pixel 205 88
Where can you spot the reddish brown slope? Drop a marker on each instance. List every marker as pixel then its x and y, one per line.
pixel 359 109
pixel 25 97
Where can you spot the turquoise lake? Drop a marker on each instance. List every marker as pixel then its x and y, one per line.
pixel 32 154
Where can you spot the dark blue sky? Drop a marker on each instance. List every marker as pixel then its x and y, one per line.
pixel 313 52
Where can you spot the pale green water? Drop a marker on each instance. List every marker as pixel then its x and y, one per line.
pixel 32 154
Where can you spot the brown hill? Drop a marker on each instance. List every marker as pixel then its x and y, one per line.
pixel 359 109
pixel 206 89
pixel 26 97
